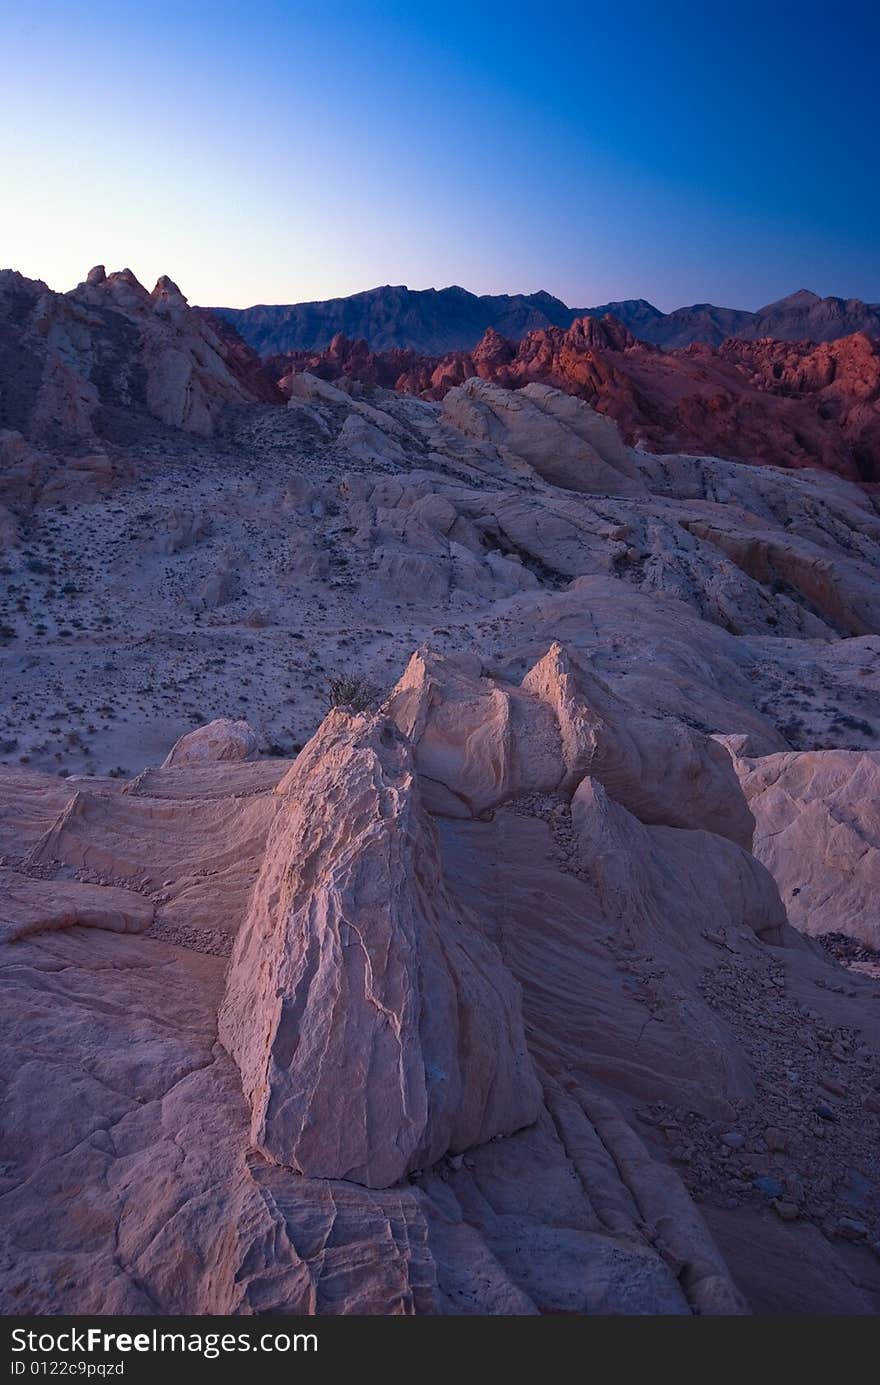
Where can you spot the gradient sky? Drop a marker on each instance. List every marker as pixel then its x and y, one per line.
pixel 275 152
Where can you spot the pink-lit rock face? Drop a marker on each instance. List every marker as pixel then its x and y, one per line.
pixel 481 741
pixel 375 1027
pixel 478 741
pixel 662 772
pixel 649 876
pixel 651 960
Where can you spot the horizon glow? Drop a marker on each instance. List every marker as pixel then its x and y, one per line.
pixel 279 152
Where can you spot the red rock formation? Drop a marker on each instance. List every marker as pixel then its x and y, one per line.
pixel 344 357
pixel 787 404
pixel 841 378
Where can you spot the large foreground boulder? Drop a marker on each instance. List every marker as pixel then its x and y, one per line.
pixel 375 1027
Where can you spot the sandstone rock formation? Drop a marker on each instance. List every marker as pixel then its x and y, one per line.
pixel 362 440
pixel 30 476
pixel 566 443
pixel 654 878
pixel 480 741
pixel 631 982
pixel 32 905
pixel 376 1029
pixel 663 772
pixel 477 742
pixel 71 362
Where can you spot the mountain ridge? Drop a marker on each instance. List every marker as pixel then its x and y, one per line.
pixel 433 321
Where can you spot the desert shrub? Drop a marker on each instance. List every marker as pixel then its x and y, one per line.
pixel 351 691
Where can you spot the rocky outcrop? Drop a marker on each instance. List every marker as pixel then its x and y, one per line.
pixel 355 960
pixel 362 440
pixel 478 741
pixel 655 879
pixel 220 740
pixel 481 741
pixel 662 772
pixel 80 364
pixel 797 406
pixel 817 830
pixel 174 1210
pixel 654 963
pixel 419 542
pixel 842 591
pixel 30 476
pixel 563 440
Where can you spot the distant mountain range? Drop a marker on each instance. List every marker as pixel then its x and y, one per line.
pixel 434 321
pixel 426 320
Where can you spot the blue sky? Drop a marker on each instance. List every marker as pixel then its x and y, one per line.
pixel 273 152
